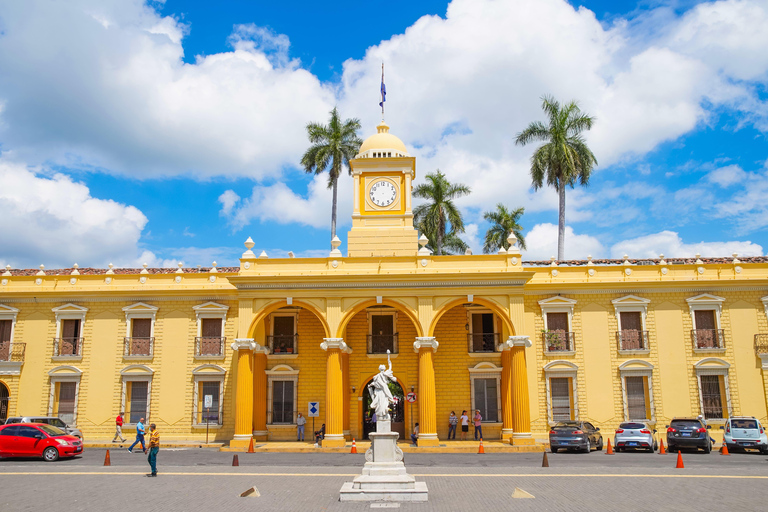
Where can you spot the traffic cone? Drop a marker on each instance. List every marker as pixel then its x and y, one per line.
pixel 609 450
pixel 354 446
pixel 107 461
pixel 679 460
pixel 724 449
pixel 662 450
pixel 481 450
pixel 235 461
pixel 544 461
pixel 250 446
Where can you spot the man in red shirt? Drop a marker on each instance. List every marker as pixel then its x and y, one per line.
pixel 119 428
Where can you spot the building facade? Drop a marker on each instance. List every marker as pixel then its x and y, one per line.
pixel 241 351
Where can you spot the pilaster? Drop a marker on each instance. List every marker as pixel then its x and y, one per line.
pixel 426 347
pixel 244 392
pixel 260 432
pixel 521 414
pixel 334 392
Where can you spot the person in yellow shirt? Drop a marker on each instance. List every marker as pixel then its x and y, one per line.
pixel 154 447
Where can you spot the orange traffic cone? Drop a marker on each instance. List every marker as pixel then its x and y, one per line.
pixel 662 450
pixel 250 446
pixel 354 446
pixel 609 450
pixel 679 460
pixel 724 449
pixel 235 461
pixel 107 461
pixel 545 461
pixel 481 450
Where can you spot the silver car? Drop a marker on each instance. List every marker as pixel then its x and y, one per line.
pixel 49 420
pixel 745 432
pixel 635 435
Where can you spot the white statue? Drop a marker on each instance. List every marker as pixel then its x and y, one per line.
pixel 379 389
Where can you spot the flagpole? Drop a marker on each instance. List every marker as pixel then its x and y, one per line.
pixel 382 92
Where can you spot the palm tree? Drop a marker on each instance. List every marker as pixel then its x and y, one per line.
pixel 435 217
pixel 503 222
pixel 564 158
pixel 452 242
pixel 333 146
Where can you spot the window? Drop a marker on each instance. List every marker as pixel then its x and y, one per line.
pixel 382 330
pixel 558 315
pixel 210 339
pixel 69 331
pixel 713 396
pixel 486 399
pixel 283 336
pixel 211 414
pixel 631 334
pixel 70 338
pixel 705 316
pixel 209 381
pixel 282 401
pixel 482 332
pixel 64 407
pixel 561 399
pixel 140 321
pixel 637 398
pixel 137 400
pixel 5 339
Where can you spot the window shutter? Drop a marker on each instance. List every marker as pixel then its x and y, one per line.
pixel 67 391
pixel 138 400
pixel 5 330
pixel 711 397
pixel 631 321
pixel 70 328
pixel 283 325
pixel 561 398
pixel 557 321
pixel 141 327
pixel 636 403
pixel 705 319
pixel 491 401
pixel 211 327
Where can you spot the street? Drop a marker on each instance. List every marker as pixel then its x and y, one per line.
pixel 204 479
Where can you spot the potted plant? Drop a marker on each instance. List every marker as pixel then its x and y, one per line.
pixel 555 340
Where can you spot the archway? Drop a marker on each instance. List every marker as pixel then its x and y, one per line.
pixel 4 399
pixel 397 410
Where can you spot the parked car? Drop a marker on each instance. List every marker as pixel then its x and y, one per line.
pixel 745 432
pixel 571 435
pixel 688 433
pixel 48 420
pixel 37 440
pixel 635 435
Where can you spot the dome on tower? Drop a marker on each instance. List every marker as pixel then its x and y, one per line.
pixel 382 145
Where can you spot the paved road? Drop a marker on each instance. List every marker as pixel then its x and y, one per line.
pixel 200 479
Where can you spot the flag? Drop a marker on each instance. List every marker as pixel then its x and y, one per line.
pixel 383 88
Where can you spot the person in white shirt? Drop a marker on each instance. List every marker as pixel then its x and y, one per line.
pixel 300 422
pixel 464 425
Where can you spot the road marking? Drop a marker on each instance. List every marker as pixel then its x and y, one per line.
pixel 519 493
pixel 461 475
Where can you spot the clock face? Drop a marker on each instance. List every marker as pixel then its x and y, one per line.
pixel 383 193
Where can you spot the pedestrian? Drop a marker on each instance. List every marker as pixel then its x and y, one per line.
pixel 453 420
pixel 300 422
pixel 464 425
pixel 478 425
pixel 139 436
pixel 119 428
pixel 319 435
pixel 154 447
pixel 415 435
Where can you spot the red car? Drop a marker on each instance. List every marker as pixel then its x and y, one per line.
pixel 37 440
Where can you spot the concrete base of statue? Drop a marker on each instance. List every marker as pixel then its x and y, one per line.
pixel 384 476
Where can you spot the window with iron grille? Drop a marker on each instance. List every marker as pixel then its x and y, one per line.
pixel 486 398
pixel 209 415
pixel 560 390
pixel 282 401
pixel 483 332
pixel 67 395
pixel 711 396
pixel 284 334
pixel 139 393
pixel 636 398
pixel 5 339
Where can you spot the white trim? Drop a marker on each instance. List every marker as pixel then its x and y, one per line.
pixel 145 375
pixel 717 371
pixel 631 304
pixel 486 370
pixel 705 302
pixel 10 367
pixel 201 374
pixel 70 312
pixel 69 374
pixel 629 369
pixel 765 305
pixel 282 372
pixel 571 371
pixel 143 370
pixel 210 310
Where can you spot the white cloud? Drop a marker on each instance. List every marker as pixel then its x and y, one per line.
pixel 727 176
pixel 542 244
pixel 56 222
pixel 671 245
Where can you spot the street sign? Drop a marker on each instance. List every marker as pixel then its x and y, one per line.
pixel 411 397
pixel 314 410
pixel 208 401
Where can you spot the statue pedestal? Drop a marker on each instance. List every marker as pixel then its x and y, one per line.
pixel 384 475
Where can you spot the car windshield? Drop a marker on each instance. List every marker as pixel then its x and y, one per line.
pixel 56 422
pixel 743 424
pixel 52 431
pixel 632 425
pixel 686 424
pixel 566 426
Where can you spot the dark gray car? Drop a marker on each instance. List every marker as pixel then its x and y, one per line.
pixel 575 435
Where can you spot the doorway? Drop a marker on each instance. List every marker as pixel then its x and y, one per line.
pixel 397 410
pixel 4 398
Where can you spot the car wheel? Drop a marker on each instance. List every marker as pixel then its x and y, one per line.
pixel 50 454
pixel 554 450
pixel 708 448
pixel 655 447
pixel 600 444
pixel 589 447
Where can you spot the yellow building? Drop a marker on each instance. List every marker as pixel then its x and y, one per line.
pixel 525 343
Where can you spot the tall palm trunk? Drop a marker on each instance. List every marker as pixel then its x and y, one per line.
pixel 440 234
pixel 561 224
pixel 333 207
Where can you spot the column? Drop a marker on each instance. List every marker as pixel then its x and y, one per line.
pixel 345 384
pixel 260 432
pixel 244 393
pixel 334 393
pixel 521 410
pixel 427 398
pixel 506 392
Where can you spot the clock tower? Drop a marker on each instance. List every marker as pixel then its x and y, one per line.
pixel 382 217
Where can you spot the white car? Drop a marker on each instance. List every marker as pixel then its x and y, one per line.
pixel 745 433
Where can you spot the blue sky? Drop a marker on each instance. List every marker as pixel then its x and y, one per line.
pixel 171 131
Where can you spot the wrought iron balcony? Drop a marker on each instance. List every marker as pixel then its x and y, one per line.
pixel 12 351
pixel 483 341
pixel 139 347
pixel 380 343
pixel 68 347
pixel 284 343
pixel 632 339
pixel 558 341
pixel 761 344
pixel 708 339
pixel 207 346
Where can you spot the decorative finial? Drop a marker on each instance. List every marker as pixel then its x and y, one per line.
pixel 512 240
pixel 698 259
pixel 180 271
pixel 263 254
pixel 213 268
pixel 589 259
pixel 145 271
pixel 74 270
pixel 291 255
pixel 736 258
pixel 41 272
pixel 626 260
pixel 110 271
pixel 468 252
pixel 502 250
pixel 248 245
pixel 335 252
pixel 7 270
pixel 423 241
pixel 553 261
pixel 662 261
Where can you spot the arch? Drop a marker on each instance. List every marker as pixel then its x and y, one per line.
pixel 560 365
pixel 209 369
pixel 475 300
pixel 282 369
pixel 271 308
pixel 65 370
pixel 137 369
pixel 485 367
pixel 407 414
pixel 412 316
pixel 712 362
pixel 635 364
